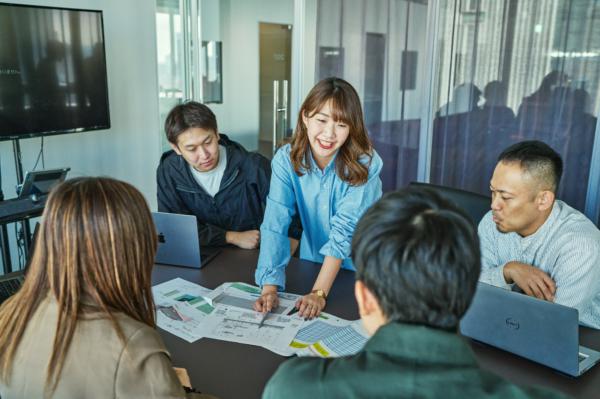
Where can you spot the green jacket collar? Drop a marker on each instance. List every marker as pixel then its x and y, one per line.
pixel 421 343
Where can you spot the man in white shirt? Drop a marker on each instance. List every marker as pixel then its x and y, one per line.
pixel 536 242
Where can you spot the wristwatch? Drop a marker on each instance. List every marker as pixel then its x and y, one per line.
pixel 319 293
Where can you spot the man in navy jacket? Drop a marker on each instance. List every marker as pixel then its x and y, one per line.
pixel 214 178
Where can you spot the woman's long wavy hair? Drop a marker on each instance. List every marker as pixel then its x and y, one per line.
pixel 94 254
pixel 345 107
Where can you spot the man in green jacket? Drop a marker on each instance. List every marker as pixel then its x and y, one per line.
pixel 417 264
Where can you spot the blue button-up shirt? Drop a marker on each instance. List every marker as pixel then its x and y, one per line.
pixel 329 209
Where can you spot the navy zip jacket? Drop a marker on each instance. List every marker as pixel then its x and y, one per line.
pixel 239 205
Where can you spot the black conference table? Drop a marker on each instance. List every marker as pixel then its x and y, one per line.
pixel 232 370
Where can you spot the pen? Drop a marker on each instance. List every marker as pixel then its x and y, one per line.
pixel 262 319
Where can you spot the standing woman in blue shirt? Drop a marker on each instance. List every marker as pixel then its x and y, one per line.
pixel 330 174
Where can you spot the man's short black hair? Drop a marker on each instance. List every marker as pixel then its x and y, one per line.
pixel 538 159
pixel 419 255
pixel 188 115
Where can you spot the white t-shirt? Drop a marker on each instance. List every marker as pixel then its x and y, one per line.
pixel 211 180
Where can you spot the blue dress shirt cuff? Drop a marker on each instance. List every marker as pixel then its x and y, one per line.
pixel 331 250
pixel 273 276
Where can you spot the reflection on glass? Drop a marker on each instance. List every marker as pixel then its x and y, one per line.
pixel 169 51
pixel 511 71
pixel 52 71
pixel 212 85
pixel 376 45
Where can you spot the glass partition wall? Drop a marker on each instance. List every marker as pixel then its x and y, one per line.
pixel 228 54
pixel 170 54
pixel 446 85
pixel 379 47
pixel 510 70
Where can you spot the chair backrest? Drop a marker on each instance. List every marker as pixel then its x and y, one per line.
pixel 389 155
pixel 475 205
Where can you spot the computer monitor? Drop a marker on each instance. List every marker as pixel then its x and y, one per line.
pixel 53 77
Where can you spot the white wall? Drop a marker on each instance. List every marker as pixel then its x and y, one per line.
pixel 210 14
pixel 130 149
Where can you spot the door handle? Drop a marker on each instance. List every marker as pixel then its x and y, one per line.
pixel 279 108
pixel 275 113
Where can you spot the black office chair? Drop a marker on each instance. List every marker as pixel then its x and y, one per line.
pixel 475 205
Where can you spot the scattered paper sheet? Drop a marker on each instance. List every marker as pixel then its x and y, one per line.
pixel 242 326
pixel 330 336
pixel 191 312
pixel 244 295
pixel 236 320
pixel 181 308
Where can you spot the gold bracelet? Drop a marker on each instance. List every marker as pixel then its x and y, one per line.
pixel 320 294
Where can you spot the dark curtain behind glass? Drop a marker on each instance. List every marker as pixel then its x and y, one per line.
pixel 511 71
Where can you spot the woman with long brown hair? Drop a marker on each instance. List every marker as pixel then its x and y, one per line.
pixel 82 325
pixel 329 175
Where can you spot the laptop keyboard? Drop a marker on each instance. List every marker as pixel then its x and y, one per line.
pixel 582 357
pixel 8 288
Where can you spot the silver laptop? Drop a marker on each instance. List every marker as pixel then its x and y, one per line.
pixel 178 242
pixel 538 330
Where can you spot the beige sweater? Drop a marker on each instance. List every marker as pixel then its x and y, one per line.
pixel 98 364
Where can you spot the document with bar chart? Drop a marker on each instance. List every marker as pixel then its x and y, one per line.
pixel 242 295
pixel 329 336
pixel 181 308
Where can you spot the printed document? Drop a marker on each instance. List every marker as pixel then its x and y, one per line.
pixel 235 319
pixel 181 308
pixel 242 295
pixel 330 336
pixel 227 313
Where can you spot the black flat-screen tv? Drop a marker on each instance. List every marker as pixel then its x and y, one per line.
pixel 52 71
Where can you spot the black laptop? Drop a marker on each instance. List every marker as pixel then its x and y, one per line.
pixel 10 283
pixel 542 331
pixel 40 182
pixel 178 241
